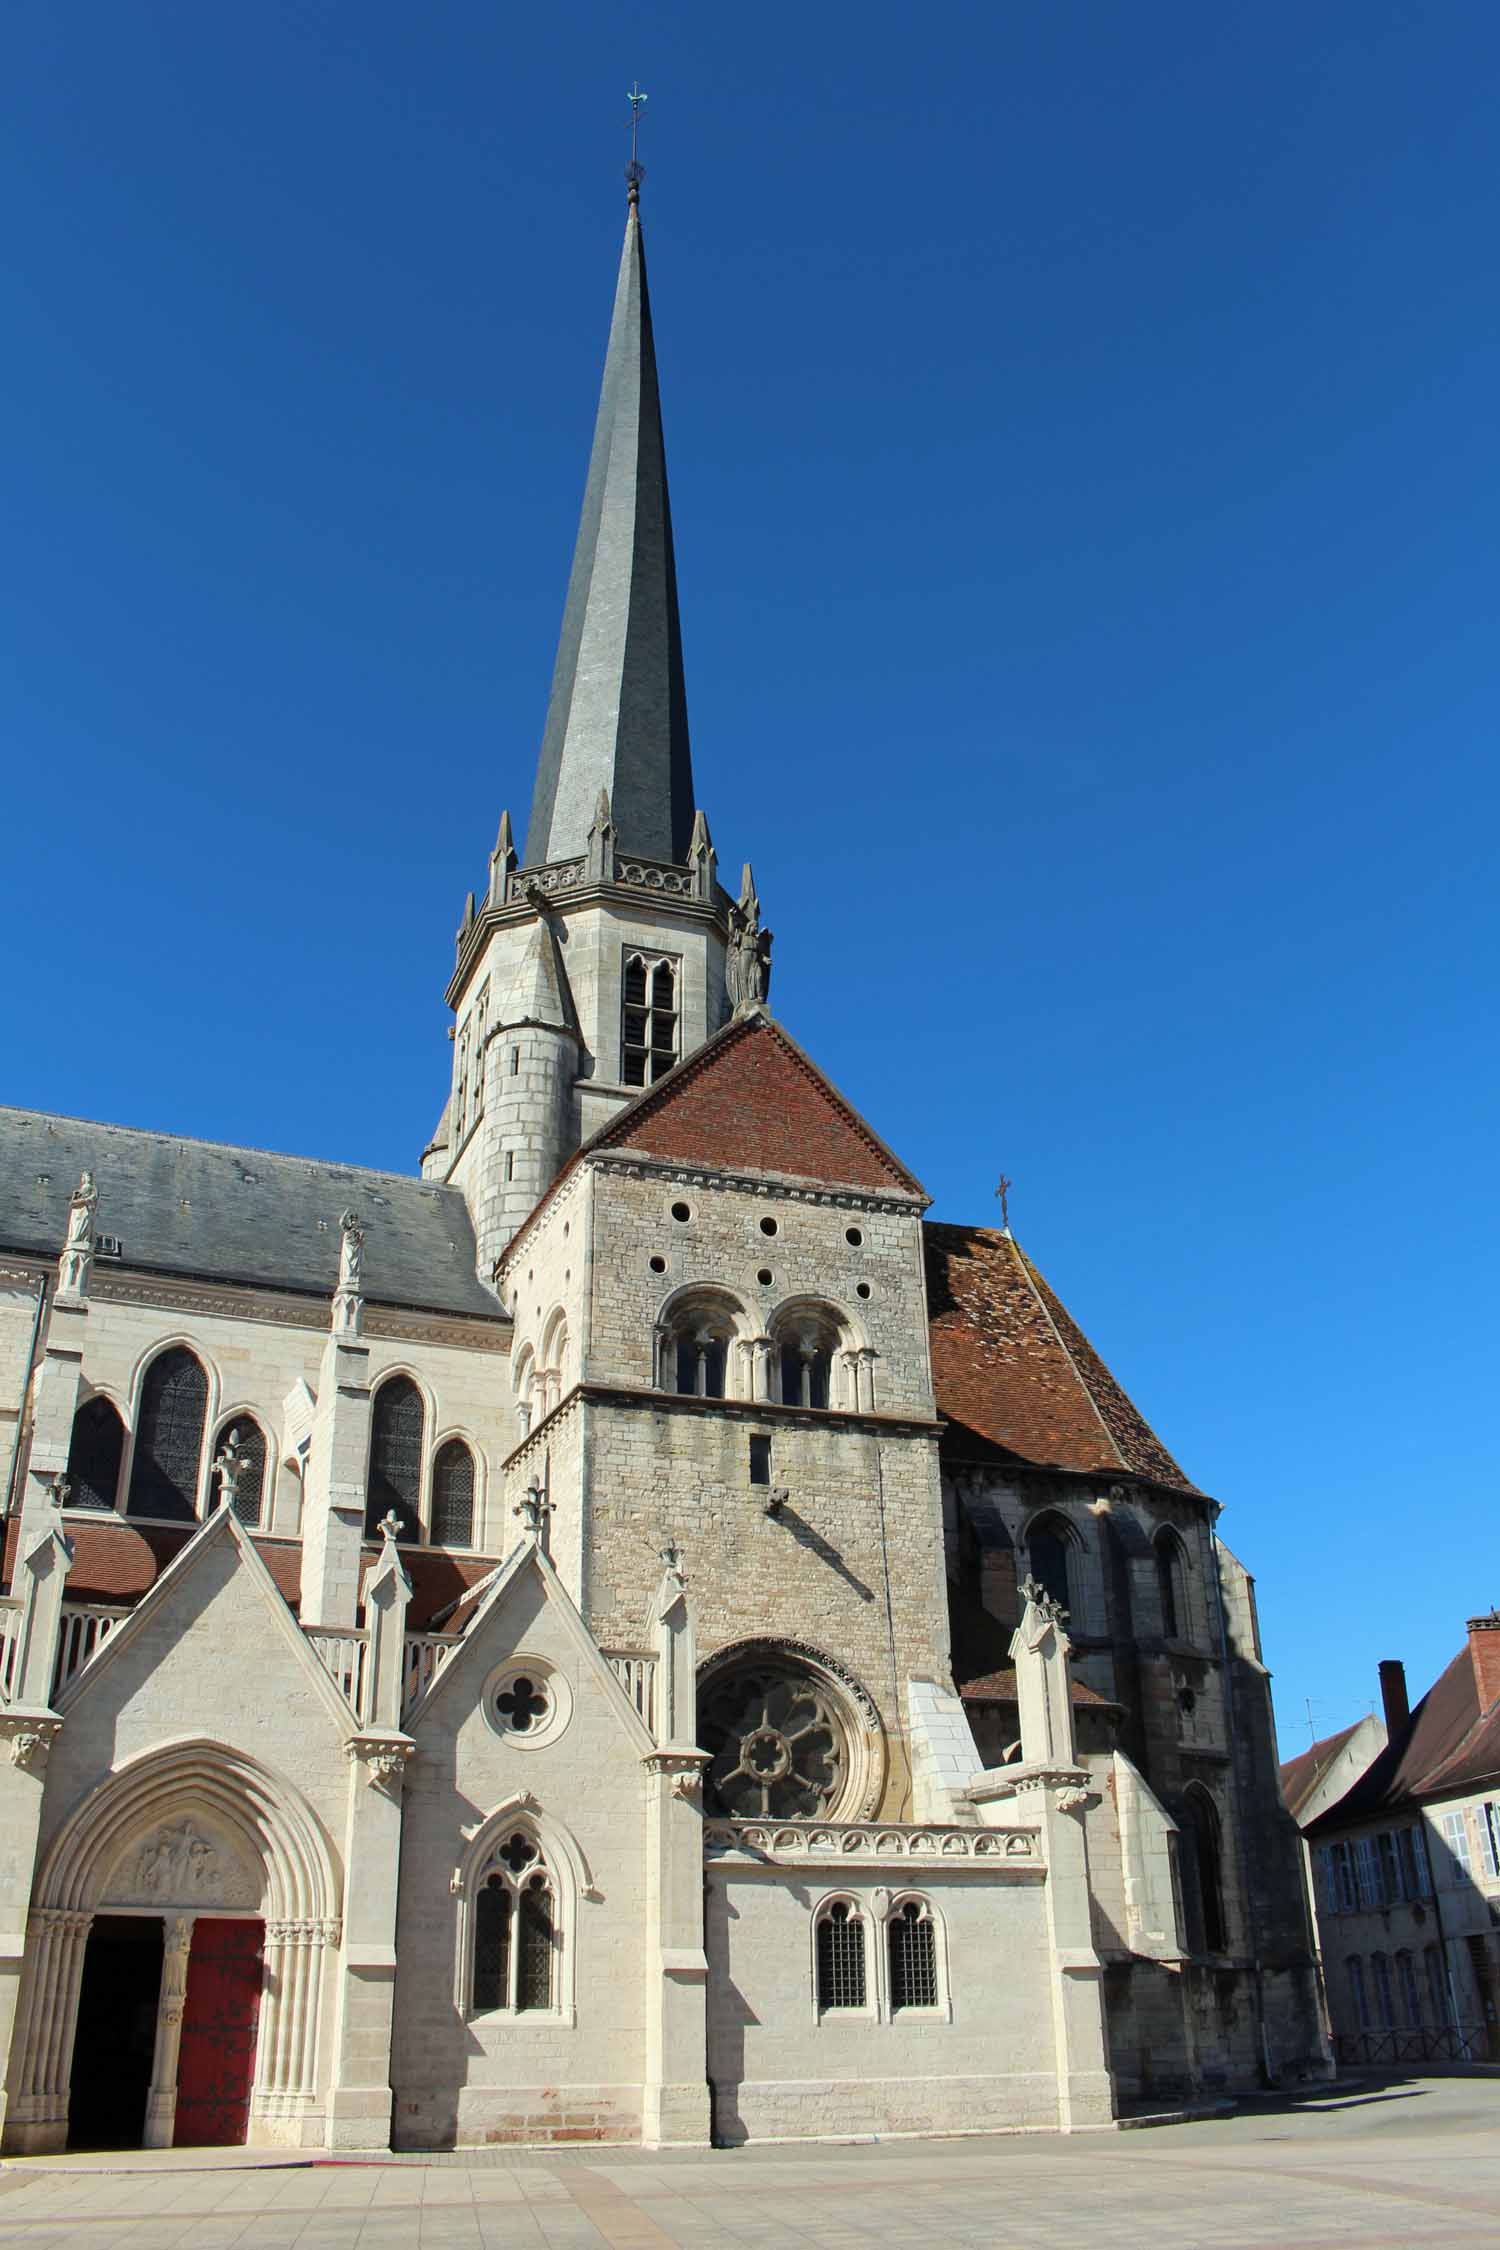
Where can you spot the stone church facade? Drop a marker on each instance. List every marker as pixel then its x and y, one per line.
pixel 631 1633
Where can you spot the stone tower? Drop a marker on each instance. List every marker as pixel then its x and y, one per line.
pixel 598 961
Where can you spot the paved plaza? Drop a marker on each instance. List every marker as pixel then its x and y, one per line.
pixel 1400 2162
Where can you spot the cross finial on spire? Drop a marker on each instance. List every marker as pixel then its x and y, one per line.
pixel 1003 1191
pixel 635 170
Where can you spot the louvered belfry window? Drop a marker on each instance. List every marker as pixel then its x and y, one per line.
pixel 913 1958
pixel 169 1439
pixel 396 1432
pixel 453 1495
pixel 841 1958
pixel 94 1455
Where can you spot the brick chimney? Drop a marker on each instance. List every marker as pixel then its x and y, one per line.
pixel 1393 1695
pixel 1484 1654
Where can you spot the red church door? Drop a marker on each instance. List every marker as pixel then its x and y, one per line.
pixel 217 2058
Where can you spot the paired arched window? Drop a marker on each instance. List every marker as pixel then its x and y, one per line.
pixel 1049 1551
pixel 804 1362
pixel 648 1019
pixel 95 1454
pixel 397 1427
pixel 169 1438
pixel 1171 1586
pixel 841 1956
pixel 453 1495
pixel 1202 1873
pixel 515 1931
pixel 697 1342
pixel 912 1950
pixel 242 1436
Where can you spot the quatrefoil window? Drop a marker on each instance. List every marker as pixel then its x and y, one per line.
pixel 528 1702
pixel 523 1705
pixel 517 1854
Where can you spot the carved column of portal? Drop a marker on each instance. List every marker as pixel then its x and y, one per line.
pixel 38 2120
pixel 161 2102
pixel 287 2067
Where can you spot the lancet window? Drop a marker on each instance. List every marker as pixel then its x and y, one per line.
pixel 453 1495
pixel 1171 1585
pixel 1202 1876
pixel 648 1018
pixel 841 1956
pixel 1049 1552
pixel 249 1483
pixel 169 1438
pixel 912 1949
pixel 95 1454
pixel 396 1444
pixel 515 1931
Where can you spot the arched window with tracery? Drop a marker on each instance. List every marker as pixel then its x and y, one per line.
pixel 912 1947
pixel 94 1455
pixel 1049 1553
pixel 453 1495
pixel 169 1438
pixel 515 1931
pixel 1202 1873
pixel 840 1940
pixel 396 1446
pixel 648 1018
pixel 242 1436
pixel 1171 1585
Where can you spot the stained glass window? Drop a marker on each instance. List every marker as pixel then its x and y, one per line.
pixel 492 1919
pixel 94 1455
pixel 169 1439
pixel 396 1431
pixel 534 1951
pixel 515 1936
pixel 453 1495
pixel 250 1444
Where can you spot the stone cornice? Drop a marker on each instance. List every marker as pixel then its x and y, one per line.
pixel 737 1410
pixel 668 891
pixel 862 1844
pixel 285 1309
pixel 636 1164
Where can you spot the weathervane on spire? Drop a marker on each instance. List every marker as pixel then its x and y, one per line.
pixel 635 170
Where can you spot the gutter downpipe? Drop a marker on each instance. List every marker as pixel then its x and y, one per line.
pixel 30 1370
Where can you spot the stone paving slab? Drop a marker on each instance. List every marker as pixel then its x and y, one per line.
pixel 1412 2163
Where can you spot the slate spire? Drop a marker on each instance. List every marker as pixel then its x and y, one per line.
pixel 617 719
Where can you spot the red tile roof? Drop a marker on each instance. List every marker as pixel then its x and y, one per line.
pixel 1448 1745
pixel 1000 1687
pixel 751 1097
pixel 1016 1378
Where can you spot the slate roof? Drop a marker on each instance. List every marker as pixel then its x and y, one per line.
pixel 1016 1378
pixel 617 717
pixel 1300 1775
pixel 218 1213
pixel 1448 1745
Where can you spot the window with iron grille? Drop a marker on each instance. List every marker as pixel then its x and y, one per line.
pixel 395 1482
pixel 453 1495
pixel 648 1018
pixel 913 1954
pixel 515 1933
pixel 169 1439
pixel 94 1455
pixel 841 1958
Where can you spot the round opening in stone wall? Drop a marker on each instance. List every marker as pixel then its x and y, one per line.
pixel 764 1277
pixel 768 1226
pixel 862 1289
pixel 681 1213
pixel 853 1237
pixel 658 1265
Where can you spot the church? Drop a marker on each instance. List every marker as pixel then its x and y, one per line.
pixel 629 1632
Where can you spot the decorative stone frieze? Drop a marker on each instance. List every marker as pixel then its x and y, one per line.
pixel 634 1165
pixel 869 1843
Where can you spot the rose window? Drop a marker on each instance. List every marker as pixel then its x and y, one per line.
pixel 778 1743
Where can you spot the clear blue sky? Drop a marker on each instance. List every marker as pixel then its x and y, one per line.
pixel 1082 423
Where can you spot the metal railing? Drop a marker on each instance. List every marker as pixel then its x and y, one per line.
pixel 1457 2043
